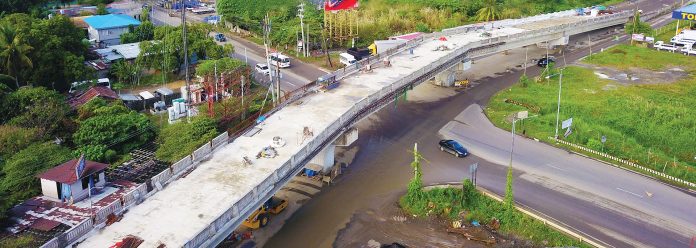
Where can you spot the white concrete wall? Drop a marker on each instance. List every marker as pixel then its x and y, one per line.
pixel 49 189
pixel 79 193
pixel 107 36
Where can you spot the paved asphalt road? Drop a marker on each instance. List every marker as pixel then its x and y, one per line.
pixel 597 199
pixel 292 78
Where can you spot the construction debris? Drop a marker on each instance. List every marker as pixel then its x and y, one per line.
pixel 130 241
pixel 475 234
pixel 267 152
pixel 246 161
pixel 278 142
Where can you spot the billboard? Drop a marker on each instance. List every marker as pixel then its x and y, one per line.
pixel 685 13
pixel 334 5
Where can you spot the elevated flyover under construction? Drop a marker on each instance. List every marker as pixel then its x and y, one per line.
pixel 205 206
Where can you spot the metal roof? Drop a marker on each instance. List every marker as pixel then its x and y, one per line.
pixel 124 51
pixel 111 21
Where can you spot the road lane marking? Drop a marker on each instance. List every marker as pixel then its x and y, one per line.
pixel 630 192
pixel 555 167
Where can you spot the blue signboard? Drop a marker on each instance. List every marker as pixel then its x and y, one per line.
pixel 80 166
pixel 685 13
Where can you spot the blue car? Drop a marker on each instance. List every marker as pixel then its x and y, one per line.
pixel 453 147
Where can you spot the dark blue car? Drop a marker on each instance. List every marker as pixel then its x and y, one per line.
pixel 453 147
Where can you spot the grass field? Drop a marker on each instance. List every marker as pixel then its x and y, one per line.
pixel 651 124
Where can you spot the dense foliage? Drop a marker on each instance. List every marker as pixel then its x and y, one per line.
pixel 34 107
pixel 19 181
pixel 111 130
pixel 379 19
pixel 208 67
pixel 51 54
pixel 181 139
pixel 652 124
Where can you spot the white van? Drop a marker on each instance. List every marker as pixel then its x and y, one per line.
pixel 685 36
pixel 279 60
pixel 347 59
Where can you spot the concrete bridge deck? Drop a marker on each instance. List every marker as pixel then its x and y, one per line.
pixel 188 207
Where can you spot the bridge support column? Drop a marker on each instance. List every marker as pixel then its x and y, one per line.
pixel 324 159
pixel 554 43
pixel 453 74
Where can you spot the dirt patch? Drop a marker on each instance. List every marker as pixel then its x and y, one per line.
pixel 386 223
pixel 636 76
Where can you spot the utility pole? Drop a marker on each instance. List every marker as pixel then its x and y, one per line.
pixel 266 32
pixel 243 109
pixel 558 109
pixel 676 31
pixel 300 13
pixel 186 66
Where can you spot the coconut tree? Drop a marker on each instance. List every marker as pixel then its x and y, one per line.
pixel 489 12
pixel 13 51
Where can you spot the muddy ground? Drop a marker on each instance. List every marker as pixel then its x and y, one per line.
pixel 385 223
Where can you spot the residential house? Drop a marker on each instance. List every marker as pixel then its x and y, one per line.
pixel 93 92
pixel 107 29
pixel 72 180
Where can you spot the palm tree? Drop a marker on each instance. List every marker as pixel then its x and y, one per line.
pixel 490 11
pixel 13 51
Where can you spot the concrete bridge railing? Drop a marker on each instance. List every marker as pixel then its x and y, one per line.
pixel 227 220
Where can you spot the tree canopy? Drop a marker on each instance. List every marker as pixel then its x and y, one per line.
pixel 57 48
pixel 35 107
pixel 110 130
pixel 207 67
pixel 181 139
pixel 19 181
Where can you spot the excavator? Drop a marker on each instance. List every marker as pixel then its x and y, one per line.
pixel 260 217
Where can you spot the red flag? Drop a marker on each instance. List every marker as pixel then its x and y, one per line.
pixel 333 5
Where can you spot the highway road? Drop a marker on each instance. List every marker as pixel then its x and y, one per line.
pixel 298 75
pixel 604 202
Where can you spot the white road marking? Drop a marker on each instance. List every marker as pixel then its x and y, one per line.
pixel 555 167
pixel 630 192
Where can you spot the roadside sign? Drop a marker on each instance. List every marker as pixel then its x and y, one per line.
pixel 522 114
pixel 567 123
pixel 650 39
pixel 568 132
pixel 638 37
pixel 604 139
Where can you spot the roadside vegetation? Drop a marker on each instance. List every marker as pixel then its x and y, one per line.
pixel 650 123
pixel 467 204
pixel 379 19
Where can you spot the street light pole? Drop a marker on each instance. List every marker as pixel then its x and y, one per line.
pixel 558 109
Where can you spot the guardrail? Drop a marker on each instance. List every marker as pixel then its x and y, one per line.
pixel 628 163
pixel 361 109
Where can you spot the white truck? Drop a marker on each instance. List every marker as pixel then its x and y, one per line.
pixel 379 46
pixel 684 37
pixel 661 46
pixel 688 49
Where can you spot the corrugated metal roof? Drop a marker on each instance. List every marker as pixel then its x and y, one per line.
pixel 111 21
pixel 65 173
pixel 124 51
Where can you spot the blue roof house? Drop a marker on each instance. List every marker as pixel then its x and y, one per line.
pixel 107 29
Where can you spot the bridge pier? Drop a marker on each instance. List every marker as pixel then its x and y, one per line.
pixel 326 157
pixel 551 44
pixel 453 74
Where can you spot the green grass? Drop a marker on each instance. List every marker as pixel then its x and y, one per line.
pixel 446 203
pixel 156 79
pixel 653 125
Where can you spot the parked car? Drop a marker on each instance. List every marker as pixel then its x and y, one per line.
pixel 543 62
pixel 263 69
pixel 453 147
pixel 220 37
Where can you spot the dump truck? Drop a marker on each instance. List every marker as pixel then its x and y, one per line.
pixel 261 216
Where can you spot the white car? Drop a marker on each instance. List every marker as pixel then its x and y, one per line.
pixel 263 69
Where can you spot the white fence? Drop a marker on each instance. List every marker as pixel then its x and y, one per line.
pixel 626 162
pixel 359 110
